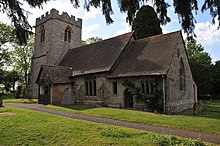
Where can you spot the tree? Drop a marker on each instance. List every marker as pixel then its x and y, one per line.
pixel 90 40
pixel 146 23
pixel 196 53
pixel 184 9
pixel 201 67
pixel 9 79
pixel 216 79
pixel 7 36
pixel 22 56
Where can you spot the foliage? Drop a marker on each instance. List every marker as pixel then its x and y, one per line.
pixel 196 53
pixel 90 40
pixel 18 16
pixel 146 23
pixel 153 102
pixel 9 79
pixel 200 63
pixel 216 79
pixel 20 128
pixel 22 55
pixel 7 36
pixel 20 92
pixel 184 10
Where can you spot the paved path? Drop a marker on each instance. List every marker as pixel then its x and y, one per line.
pixel 213 138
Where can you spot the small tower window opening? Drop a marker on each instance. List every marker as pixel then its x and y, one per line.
pixel 67 35
pixel 182 76
pixel 42 34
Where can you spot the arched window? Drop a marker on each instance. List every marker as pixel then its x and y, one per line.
pixel 67 35
pixel 90 88
pixel 87 88
pixel 94 87
pixel 42 33
pixel 182 76
pixel 152 89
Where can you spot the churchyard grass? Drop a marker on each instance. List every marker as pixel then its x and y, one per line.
pixel 11 98
pixel 208 121
pixel 25 127
pixel 21 100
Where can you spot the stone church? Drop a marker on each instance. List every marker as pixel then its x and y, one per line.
pixel 63 72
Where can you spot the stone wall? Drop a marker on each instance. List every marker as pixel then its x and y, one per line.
pixel 62 94
pixel 53 48
pixel 105 95
pixel 176 99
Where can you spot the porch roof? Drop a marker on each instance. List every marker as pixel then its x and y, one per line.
pixel 54 74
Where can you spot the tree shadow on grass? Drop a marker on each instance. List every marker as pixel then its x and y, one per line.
pixel 205 113
pixel 80 107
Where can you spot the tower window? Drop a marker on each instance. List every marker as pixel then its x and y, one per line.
pixel 67 35
pixel 42 34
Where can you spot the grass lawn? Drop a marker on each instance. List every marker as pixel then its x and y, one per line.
pixel 208 121
pixel 11 98
pixel 21 100
pixel 25 127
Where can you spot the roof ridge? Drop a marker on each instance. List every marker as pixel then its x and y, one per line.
pixel 101 41
pixel 158 35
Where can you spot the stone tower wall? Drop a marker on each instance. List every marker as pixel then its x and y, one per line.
pixel 51 50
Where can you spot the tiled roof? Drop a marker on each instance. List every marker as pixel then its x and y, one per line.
pixel 54 74
pixel 96 57
pixel 149 56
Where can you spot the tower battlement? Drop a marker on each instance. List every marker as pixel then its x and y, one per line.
pixel 54 14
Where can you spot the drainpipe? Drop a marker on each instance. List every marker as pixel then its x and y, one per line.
pixel 164 95
pixel 51 94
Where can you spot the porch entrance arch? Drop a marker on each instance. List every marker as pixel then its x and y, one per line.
pixel 44 94
pixel 128 98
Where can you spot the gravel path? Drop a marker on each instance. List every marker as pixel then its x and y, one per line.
pixel 213 138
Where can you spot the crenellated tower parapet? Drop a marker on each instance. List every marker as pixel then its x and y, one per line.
pixel 54 14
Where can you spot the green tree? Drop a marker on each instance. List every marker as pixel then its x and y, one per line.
pixel 216 79
pixel 22 56
pixel 201 67
pixel 90 40
pixel 184 9
pixel 7 37
pixel 196 53
pixel 9 79
pixel 146 23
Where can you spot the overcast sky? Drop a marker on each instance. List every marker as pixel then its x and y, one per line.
pixel 94 23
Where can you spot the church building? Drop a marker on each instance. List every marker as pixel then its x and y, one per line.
pixel 103 73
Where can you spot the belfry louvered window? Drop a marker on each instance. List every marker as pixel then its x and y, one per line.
pixel 42 34
pixel 67 35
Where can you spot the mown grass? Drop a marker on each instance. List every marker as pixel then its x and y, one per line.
pixel 27 127
pixel 208 121
pixel 21 100
pixel 11 98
